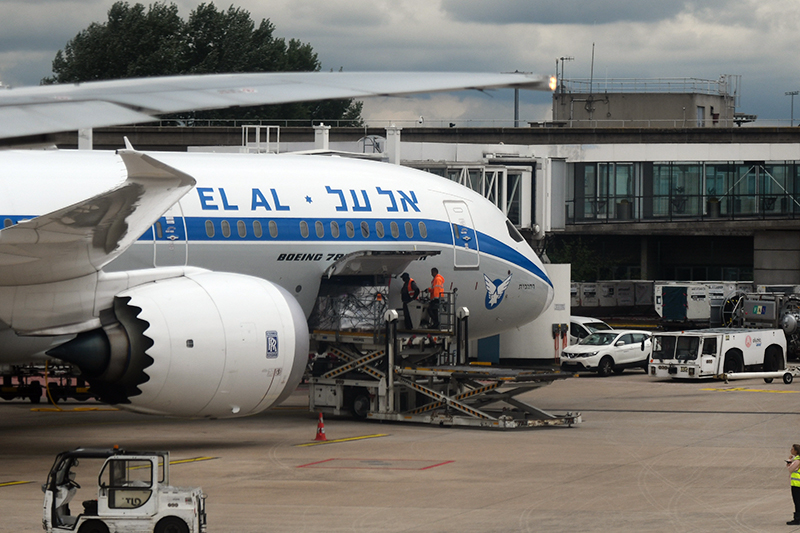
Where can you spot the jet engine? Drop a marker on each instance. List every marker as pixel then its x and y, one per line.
pixel 207 344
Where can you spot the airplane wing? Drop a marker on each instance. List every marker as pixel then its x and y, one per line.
pixel 82 238
pixel 44 109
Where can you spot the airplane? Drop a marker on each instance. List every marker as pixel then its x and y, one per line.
pixel 180 284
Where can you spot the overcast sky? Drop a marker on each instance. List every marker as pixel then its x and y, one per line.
pixel 758 39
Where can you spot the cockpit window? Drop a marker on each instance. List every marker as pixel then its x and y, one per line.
pixel 515 234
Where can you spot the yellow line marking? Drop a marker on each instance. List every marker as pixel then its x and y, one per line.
pixel 192 460
pixel 350 439
pixel 12 483
pixel 744 389
pixel 75 410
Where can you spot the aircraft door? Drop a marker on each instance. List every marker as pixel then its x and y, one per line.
pixel 169 239
pixel 465 238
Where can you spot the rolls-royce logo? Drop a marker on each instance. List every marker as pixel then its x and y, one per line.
pixel 495 290
pixel 272 345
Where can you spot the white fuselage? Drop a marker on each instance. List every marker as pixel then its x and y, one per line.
pixel 288 218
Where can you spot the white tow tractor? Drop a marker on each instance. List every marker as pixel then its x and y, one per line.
pixel 133 494
pixel 722 353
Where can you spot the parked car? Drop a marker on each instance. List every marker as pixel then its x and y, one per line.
pixel 608 351
pixel 581 327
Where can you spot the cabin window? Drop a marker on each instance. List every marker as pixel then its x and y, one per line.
pixel 304 229
pixel 423 231
pixel 226 229
pixel 7 223
pixel 257 229
pixel 209 228
pixel 320 229
pixel 379 229
pixel 159 230
pixel 409 230
pixel 273 229
pixel 364 229
pixel 351 231
pixel 242 229
pixel 335 229
pixel 395 229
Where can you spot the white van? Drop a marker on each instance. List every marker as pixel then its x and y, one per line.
pixel 581 327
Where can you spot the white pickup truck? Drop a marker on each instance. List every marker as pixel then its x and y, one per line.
pixel 719 352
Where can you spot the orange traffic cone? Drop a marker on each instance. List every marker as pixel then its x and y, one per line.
pixel 320 429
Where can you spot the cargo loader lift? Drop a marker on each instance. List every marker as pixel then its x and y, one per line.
pixel 423 377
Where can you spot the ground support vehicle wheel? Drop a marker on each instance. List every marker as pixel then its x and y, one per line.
pixel 360 405
pixel 93 526
pixel 171 524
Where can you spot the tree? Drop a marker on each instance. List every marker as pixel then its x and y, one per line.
pixel 140 42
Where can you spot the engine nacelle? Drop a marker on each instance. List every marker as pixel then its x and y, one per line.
pixel 207 344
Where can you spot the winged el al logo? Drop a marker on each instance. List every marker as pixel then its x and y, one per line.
pixel 495 290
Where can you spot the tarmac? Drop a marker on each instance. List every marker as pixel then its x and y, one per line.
pixel 648 456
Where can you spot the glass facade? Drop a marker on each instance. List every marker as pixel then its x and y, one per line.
pixel 675 191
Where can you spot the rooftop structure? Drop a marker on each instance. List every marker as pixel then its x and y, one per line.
pixel 648 103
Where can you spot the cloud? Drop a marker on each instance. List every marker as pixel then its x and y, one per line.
pixel 574 11
pixel 632 39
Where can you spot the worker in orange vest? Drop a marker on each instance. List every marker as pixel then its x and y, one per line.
pixel 436 291
pixel 409 292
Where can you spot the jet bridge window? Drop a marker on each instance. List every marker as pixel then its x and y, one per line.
pixel 257 231
pixel 364 229
pixel 334 229
pixel 379 229
pixel 351 230
pixel 304 229
pixel 409 230
pixel 209 228
pixel 241 228
pixel 226 229
pixel 395 229
pixel 273 229
pixel 320 229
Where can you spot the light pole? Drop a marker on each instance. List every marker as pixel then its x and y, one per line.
pixel 792 94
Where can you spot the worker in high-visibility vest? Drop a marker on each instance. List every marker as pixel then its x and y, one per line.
pixel 436 292
pixel 408 293
pixel 793 465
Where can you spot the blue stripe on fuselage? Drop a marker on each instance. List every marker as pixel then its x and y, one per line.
pixel 438 232
pixel 288 230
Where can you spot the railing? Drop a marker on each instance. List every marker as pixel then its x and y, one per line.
pixel 677 123
pixel 725 85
